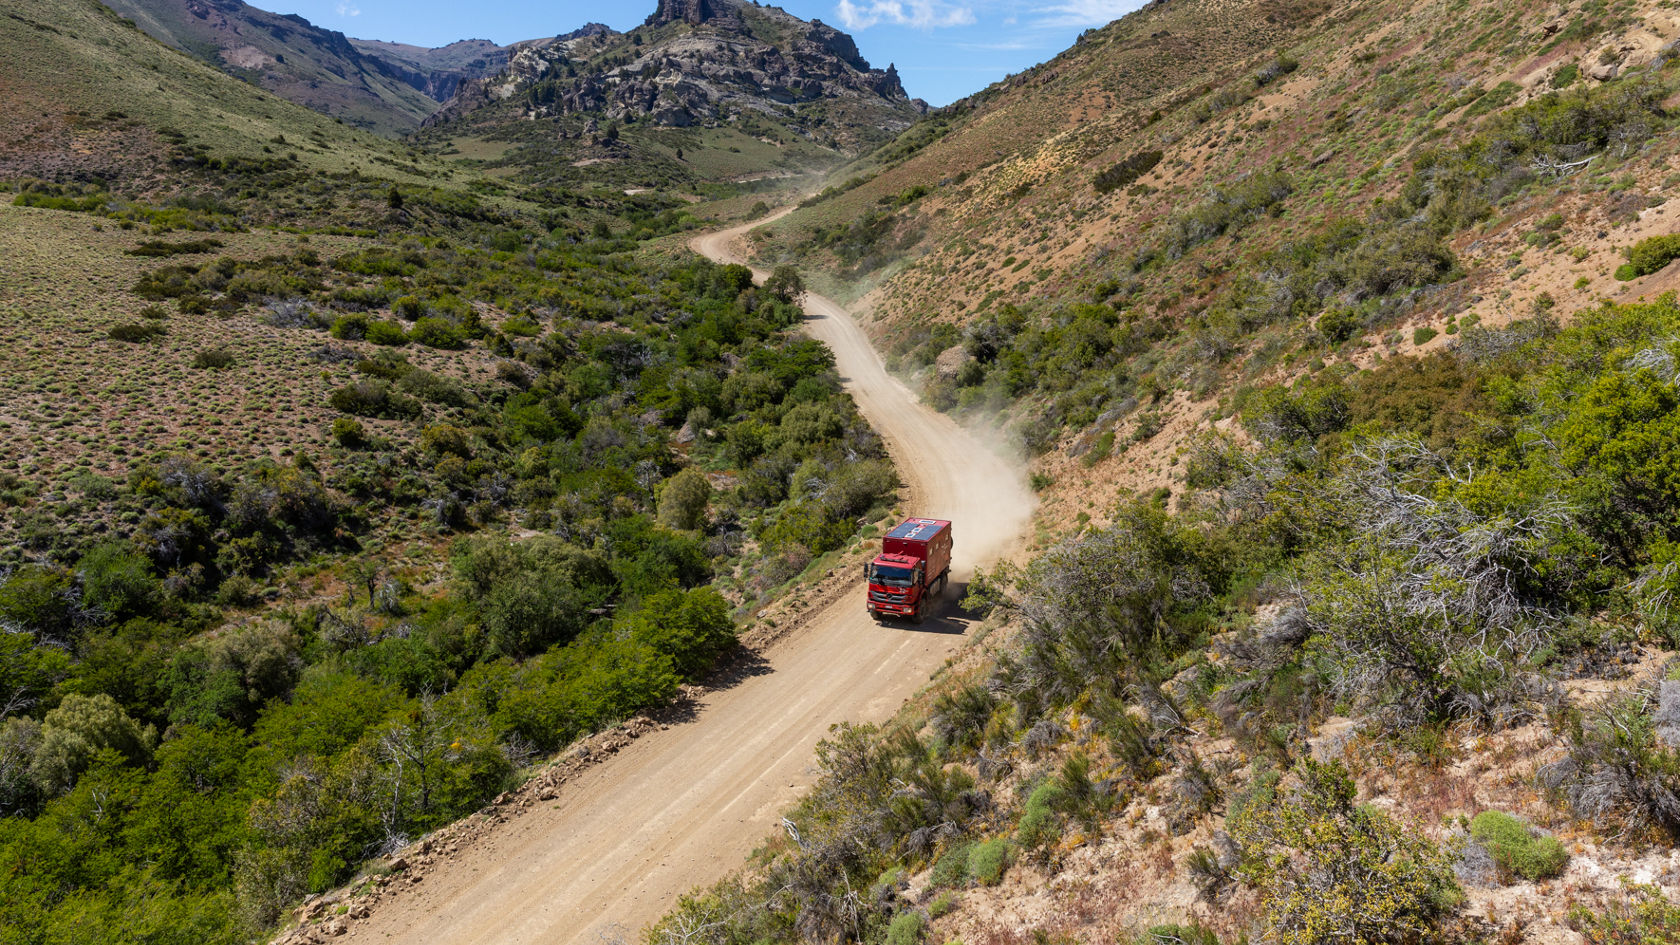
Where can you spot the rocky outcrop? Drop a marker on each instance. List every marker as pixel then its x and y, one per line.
pixel 692 12
pixel 706 63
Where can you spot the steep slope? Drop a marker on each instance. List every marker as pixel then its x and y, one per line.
pixel 1167 161
pixel 384 87
pixel 1346 351
pixel 701 92
pixel 88 95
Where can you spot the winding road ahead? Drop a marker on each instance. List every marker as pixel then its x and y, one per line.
pixel 683 806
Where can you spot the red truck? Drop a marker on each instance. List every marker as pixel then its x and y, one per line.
pixel 912 569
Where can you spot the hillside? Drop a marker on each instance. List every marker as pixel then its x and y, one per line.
pixel 1341 339
pixel 342 484
pixel 384 87
pixel 76 109
pixel 706 91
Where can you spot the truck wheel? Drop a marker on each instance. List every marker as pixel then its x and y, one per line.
pixel 916 617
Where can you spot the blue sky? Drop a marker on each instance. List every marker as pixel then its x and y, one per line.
pixel 944 49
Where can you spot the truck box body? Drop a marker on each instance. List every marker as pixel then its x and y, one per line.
pixel 913 567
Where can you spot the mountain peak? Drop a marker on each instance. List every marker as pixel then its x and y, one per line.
pixel 693 12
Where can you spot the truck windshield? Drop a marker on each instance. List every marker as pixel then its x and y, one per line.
pixel 893 577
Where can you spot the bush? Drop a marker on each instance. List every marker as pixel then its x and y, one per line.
pixel 73 735
pixel 1330 870
pixel 137 331
pixel 692 627
pixel 1126 172
pixel 988 860
pixel 1196 934
pixel 951 869
pixel 683 499
pixel 905 929
pixel 1621 768
pixel 1423 334
pixel 386 333
pixel 349 433
pixel 213 359
pixel 436 332
pixel 352 327
pixel 1649 255
pixel 1041 825
pixel 1515 847
pixel 371 398
pixel 1643 916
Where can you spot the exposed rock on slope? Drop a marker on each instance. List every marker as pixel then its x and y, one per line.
pixel 385 86
pixel 701 63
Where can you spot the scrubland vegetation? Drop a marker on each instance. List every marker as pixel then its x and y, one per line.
pixel 533 477
pixel 1384 651
pixel 1429 574
pixel 233 760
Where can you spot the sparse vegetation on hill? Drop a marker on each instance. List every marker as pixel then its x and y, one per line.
pixel 1172 670
pixel 340 485
pixel 1376 643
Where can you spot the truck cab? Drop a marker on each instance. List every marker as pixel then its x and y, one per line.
pixel 911 571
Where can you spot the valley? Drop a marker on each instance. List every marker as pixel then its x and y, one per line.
pixel 435 482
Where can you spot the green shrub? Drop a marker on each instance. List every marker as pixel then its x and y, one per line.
pixel 349 433
pixel 372 398
pixel 137 331
pixel 951 869
pixel 905 929
pixel 1423 334
pixel 438 333
pixel 1516 848
pixel 1643 916
pixel 1338 325
pixel 213 359
pixel 1041 825
pixel 352 327
pixel 386 333
pixel 988 860
pixel 1195 934
pixel 943 904
pixel 1126 172
pixel 1649 255
pixel 1330 870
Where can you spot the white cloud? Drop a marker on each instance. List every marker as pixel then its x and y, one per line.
pixel 922 14
pixel 1089 12
pixel 348 9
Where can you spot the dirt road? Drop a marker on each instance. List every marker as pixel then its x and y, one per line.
pixel 683 806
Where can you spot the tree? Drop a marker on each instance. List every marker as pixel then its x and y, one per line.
pixel 531 594
pixel 79 729
pixel 394 198
pixel 683 500
pixel 785 284
pixel 692 627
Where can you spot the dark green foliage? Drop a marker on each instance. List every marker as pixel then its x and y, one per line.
pixel 213 359
pixel 693 626
pixel 372 398
pixel 183 248
pixel 136 332
pixel 1125 173
pixel 1455 188
pixel 531 594
pixel 438 333
pixel 296 720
